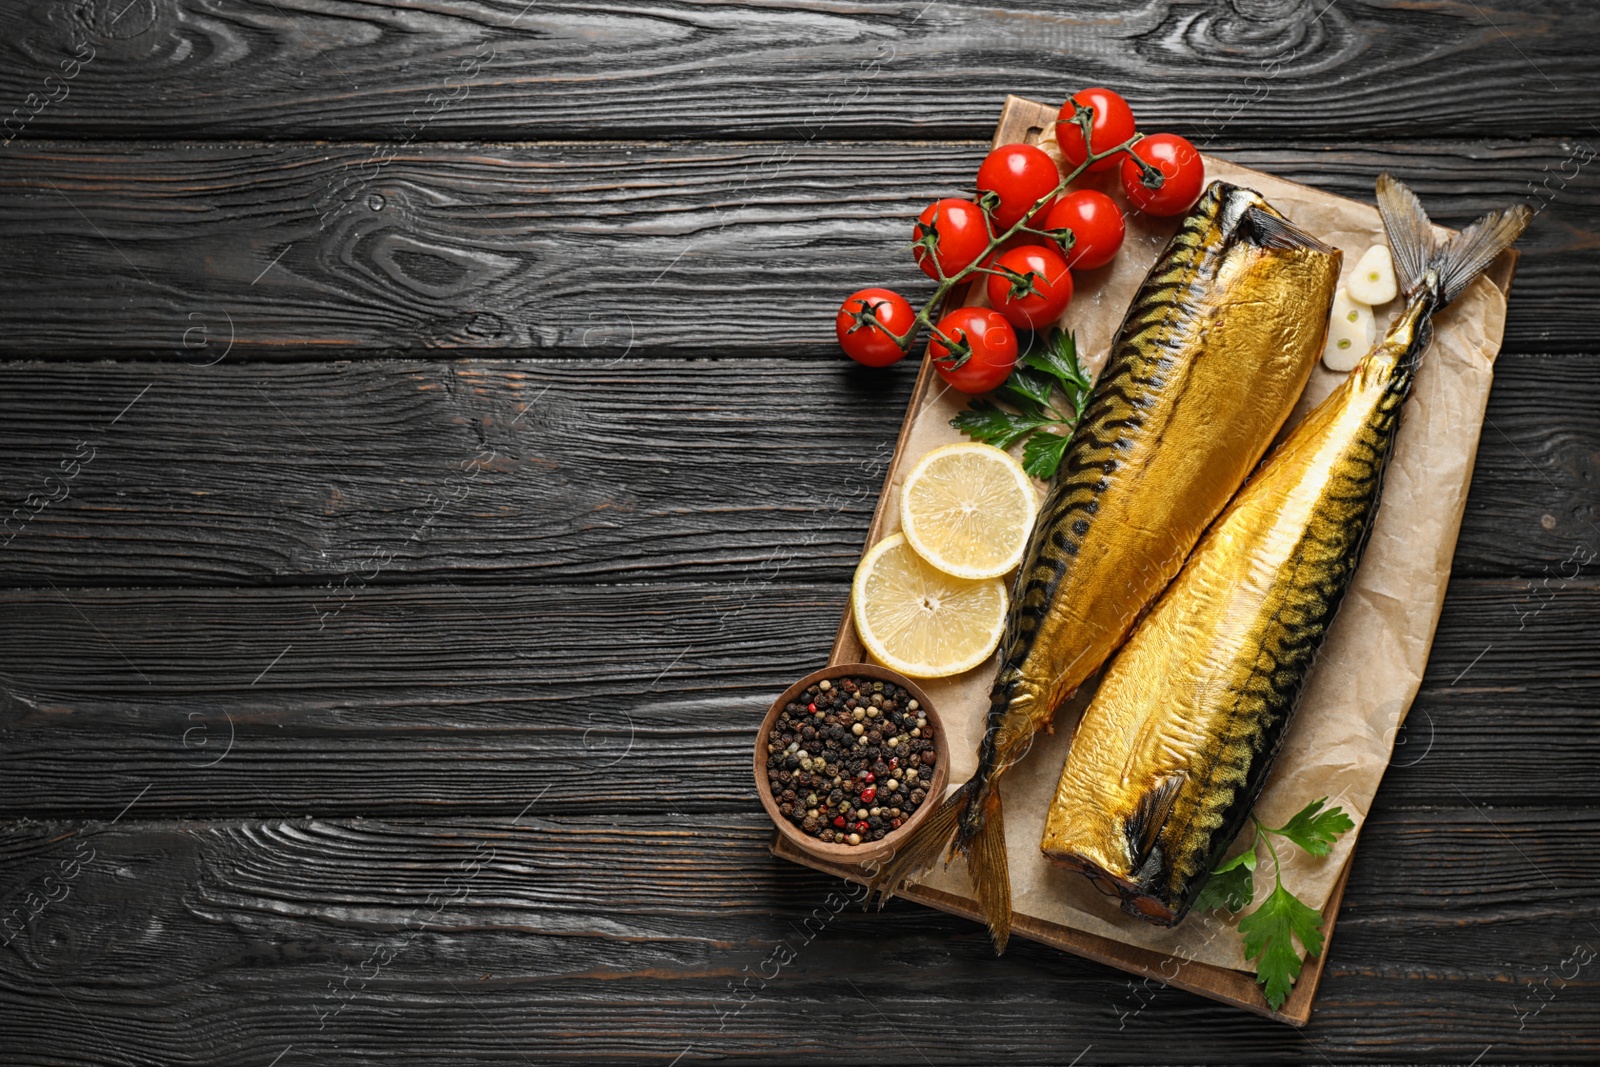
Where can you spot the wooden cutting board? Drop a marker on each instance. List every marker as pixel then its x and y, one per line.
pixel 1027 121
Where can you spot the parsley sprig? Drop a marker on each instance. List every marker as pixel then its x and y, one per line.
pixel 1270 931
pixel 1046 395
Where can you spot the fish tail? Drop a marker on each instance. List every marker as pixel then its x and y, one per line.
pixel 924 846
pixel 968 821
pixel 1446 268
pixel 989 870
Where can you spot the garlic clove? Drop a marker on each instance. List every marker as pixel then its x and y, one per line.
pixel 1372 282
pixel 1351 333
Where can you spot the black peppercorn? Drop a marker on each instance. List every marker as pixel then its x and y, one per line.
pixel 833 782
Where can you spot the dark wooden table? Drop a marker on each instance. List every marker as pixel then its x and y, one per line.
pixel 427 454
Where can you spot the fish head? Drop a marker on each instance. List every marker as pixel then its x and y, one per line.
pixel 1231 203
pixel 1275 280
pixel 1242 214
pixel 1100 845
pixel 1116 838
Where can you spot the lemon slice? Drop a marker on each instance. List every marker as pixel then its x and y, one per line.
pixel 968 509
pixel 920 621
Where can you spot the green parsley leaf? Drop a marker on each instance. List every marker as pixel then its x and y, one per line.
pixel 1232 885
pixel 993 425
pixel 1058 357
pixel 1041 453
pixel 1314 829
pixel 1245 859
pixel 1049 365
pixel 1269 933
pixel 1028 391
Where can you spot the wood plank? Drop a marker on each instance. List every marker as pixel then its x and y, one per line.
pixel 302 473
pixel 587 471
pixel 479 698
pixel 296 251
pixel 477 69
pixel 1530 448
pixel 557 938
pixel 1234 988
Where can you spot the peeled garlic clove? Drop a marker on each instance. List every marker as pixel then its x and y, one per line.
pixel 1351 333
pixel 1373 283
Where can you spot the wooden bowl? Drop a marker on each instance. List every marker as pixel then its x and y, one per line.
pixel 853 855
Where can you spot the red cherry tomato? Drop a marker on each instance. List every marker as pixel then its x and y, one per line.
pixel 1019 174
pixel 1096 224
pixel 1051 278
pixel 994 349
pixel 1181 167
pixel 963 235
pixel 1112 124
pixel 864 343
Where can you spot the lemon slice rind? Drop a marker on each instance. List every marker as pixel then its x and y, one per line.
pixel 968 509
pixel 920 621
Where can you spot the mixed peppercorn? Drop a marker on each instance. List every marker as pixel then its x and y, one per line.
pixel 850 759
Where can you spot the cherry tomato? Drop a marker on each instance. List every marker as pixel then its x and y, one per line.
pixel 1181 167
pixel 1051 278
pixel 1019 174
pixel 1112 124
pixel 1096 224
pixel 963 235
pixel 994 349
pixel 866 344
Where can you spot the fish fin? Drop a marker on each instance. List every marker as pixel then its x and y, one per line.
pixel 986 856
pixel 924 846
pixel 1143 827
pixel 1469 253
pixel 990 872
pixel 1453 263
pixel 1409 230
pixel 1268 229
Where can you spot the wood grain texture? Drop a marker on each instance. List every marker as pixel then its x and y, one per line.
pixel 551 939
pixel 595 470
pixel 313 68
pixel 300 251
pixel 415 661
pixel 416 699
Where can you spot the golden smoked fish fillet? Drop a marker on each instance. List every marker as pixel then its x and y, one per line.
pixel 1215 349
pixel 1172 752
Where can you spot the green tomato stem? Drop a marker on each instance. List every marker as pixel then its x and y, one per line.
pixel 925 314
